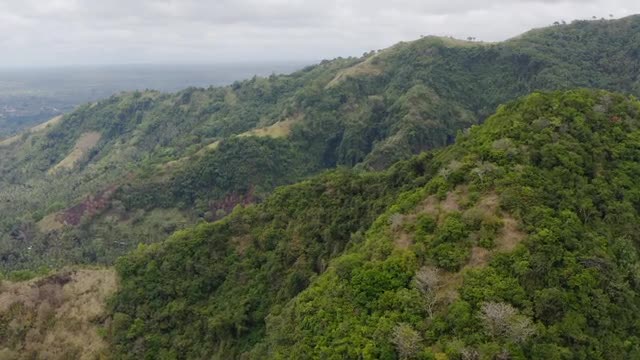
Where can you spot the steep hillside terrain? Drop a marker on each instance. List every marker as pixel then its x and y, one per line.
pixel 34 94
pixel 518 241
pixel 137 166
pixel 56 316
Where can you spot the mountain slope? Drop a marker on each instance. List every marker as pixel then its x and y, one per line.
pixel 176 159
pixel 519 241
pixel 56 316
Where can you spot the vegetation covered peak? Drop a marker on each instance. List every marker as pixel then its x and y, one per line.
pixel 518 241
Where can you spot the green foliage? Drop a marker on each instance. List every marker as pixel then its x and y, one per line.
pixel 370 112
pixel 558 286
pixel 220 281
pixel 326 277
pixel 315 268
pixel 449 256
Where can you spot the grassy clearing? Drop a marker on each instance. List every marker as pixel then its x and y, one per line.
pixel 280 129
pixel 44 126
pixel 85 143
pixel 49 223
pixel 365 68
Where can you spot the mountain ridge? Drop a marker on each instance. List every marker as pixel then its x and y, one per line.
pixel 427 91
pixel 490 215
pixel 282 216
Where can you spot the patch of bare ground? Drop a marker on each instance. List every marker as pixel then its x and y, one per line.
pixel 403 240
pixel 454 200
pixel 479 257
pixel 506 240
pixel 510 235
pixel 431 206
pixel 56 317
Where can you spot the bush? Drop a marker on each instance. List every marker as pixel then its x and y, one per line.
pixel 449 256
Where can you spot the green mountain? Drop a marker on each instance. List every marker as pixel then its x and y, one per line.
pixel 519 241
pixel 137 166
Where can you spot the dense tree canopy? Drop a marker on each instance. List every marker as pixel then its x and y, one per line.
pixel 519 241
pixel 92 186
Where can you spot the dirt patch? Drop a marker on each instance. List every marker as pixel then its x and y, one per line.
pixel 84 144
pixel 510 235
pixel 489 203
pixel 488 206
pixel 89 207
pixel 429 206
pixel 479 258
pixel 402 240
pixel 56 317
pixel 448 292
pixel 451 203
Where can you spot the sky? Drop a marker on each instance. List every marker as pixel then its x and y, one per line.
pixel 89 32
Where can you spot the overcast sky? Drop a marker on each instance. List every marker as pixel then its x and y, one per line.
pixel 64 32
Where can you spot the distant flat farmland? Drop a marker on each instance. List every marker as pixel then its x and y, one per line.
pixel 31 96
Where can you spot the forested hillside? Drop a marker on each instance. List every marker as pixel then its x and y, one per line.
pixel 518 241
pixel 439 199
pixel 137 166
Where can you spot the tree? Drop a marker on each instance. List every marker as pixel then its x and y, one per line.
pixel 501 320
pixel 406 340
pixel 469 354
pixel 496 317
pixel 427 280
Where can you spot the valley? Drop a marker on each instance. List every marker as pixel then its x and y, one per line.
pixel 437 199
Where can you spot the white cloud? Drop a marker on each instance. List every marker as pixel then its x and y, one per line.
pixel 45 32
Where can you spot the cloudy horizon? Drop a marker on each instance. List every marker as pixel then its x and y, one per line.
pixel 36 33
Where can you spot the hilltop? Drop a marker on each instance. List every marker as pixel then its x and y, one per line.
pixel 135 167
pixel 518 241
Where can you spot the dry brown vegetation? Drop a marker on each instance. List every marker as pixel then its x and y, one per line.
pixel 49 223
pixel 55 317
pixel 278 130
pixel 365 68
pixel 509 236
